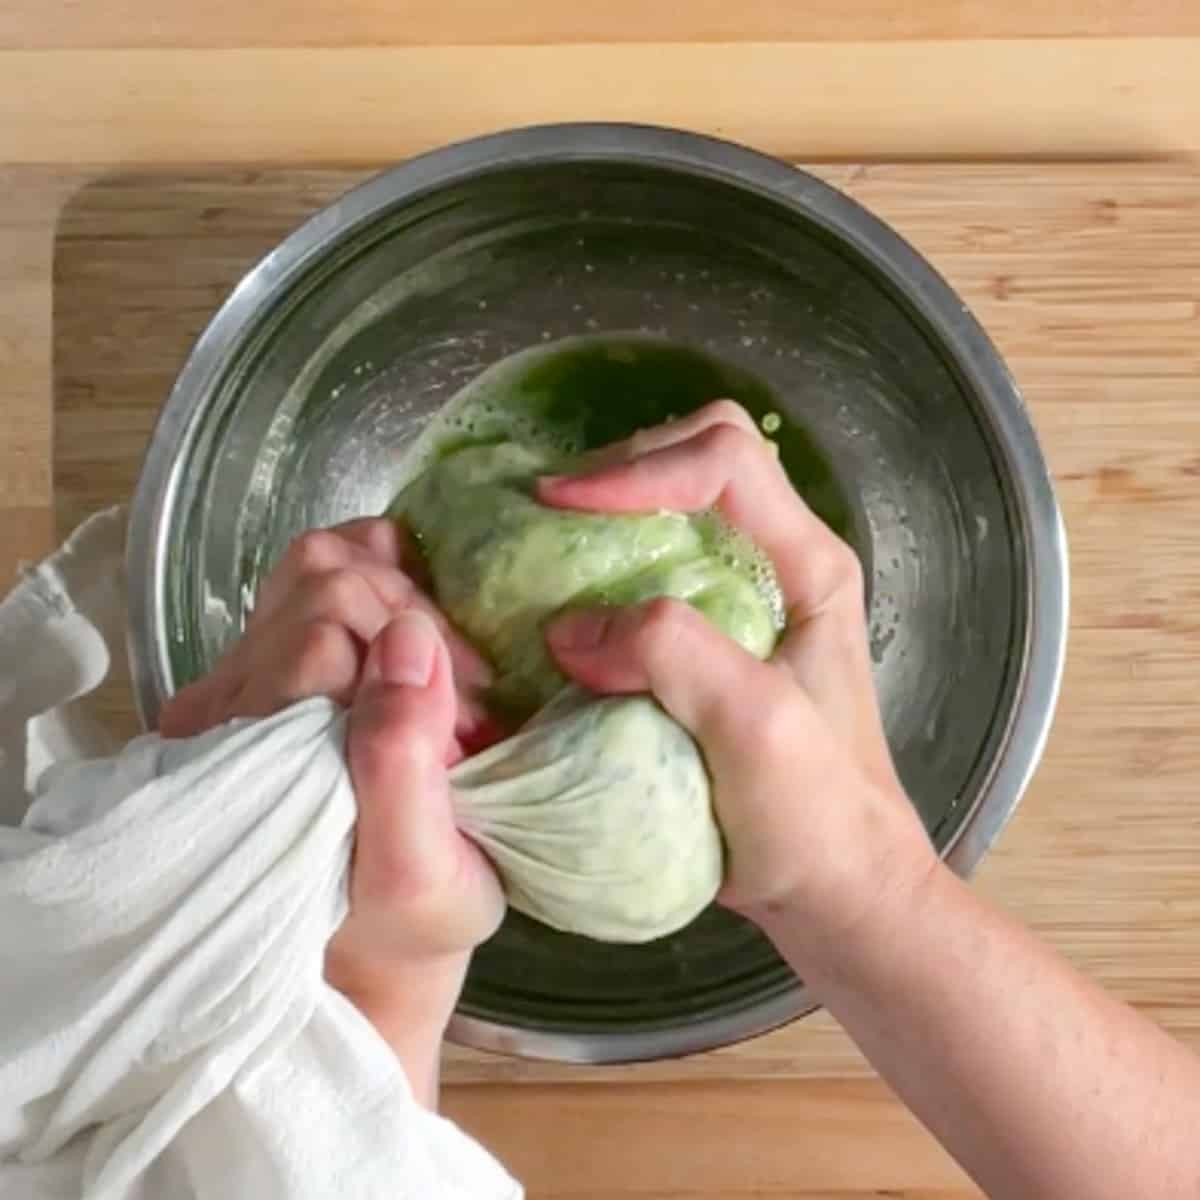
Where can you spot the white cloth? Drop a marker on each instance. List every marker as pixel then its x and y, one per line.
pixel 165 1030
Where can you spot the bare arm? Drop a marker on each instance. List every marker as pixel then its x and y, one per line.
pixel 410 1010
pixel 1042 1086
pixel 1039 1083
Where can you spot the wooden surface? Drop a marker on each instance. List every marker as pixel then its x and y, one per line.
pixel 1106 836
pixel 366 80
pixel 1049 97
pixel 1089 279
pixel 61 24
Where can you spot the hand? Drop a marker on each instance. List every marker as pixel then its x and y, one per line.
pixel 814 817
pixel 954 1004
pixel 421 895
pixel 331 594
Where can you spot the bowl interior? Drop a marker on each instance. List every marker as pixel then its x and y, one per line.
pixel 323 393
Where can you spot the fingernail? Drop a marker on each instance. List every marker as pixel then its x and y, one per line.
pixel 408 650
pixel 579 631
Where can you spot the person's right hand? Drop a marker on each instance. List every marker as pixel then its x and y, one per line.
pixel 814 817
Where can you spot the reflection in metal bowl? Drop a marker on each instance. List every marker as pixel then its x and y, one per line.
pixel 300 398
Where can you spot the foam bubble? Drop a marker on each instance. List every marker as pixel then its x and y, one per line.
pixel 736 550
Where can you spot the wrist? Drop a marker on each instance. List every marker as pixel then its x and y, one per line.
pixel 409 1004
pixel 418 994
pixel 870 880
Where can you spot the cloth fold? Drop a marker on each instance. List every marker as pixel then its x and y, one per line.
pixel 165 1028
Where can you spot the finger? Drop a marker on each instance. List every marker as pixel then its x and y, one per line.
pixel 388 542
pixel 323 659
pixel 643 441
pixel 190 710
pixel 316 552
pixel 713 687
pixel 738 708
pixel 363 598
pixel 472 671
pixel 746 715
pixel 368 541
pixel 706 681
pixel 313 565
pixel 320 658
pixel 401 724
pixel 312 644
pixel 381 538
pixel 305 647
pixel 289 663
pixel 825 648
pixel 727 468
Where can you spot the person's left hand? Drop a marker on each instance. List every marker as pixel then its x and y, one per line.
pixel 422 896
pixel 421 893
pixel 343 616
pixel 315 615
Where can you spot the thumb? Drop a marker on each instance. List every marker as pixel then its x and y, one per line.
pixel 712 686
pixel 401 723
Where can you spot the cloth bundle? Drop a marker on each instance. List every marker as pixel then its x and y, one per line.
pixel 598 814
pixel 165 1029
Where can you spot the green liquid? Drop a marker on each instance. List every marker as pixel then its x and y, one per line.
pixel 581 393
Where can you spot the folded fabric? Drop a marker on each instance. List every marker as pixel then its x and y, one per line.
pixel 165 1029
pixel 598 818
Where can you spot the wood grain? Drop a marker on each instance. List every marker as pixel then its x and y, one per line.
pixel 1087 276
pixel 26 241
pixel 764 1140
pixel 862 99
pixel 30 199
pixel 57 24
pixel 1102 857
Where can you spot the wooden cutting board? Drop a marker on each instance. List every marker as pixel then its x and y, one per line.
pixel 1087 276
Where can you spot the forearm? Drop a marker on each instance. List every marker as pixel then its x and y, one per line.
pixel 409 1010
pixel 1036 1081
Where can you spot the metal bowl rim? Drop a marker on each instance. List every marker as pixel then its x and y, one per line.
pixel 960 338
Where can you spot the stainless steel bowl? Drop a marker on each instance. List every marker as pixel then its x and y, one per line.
pixel 336 348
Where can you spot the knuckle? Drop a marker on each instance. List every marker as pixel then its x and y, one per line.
pixel 846 567
pixel 728 412
pixel 320 656
pixel 731 443
pixel 340 592
pixel 381 536
pixel 663 621
pixel 638 444
pixel 320 642
pixel 398 589
pixel 844 576
pixel 316 551
pixel 832 578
